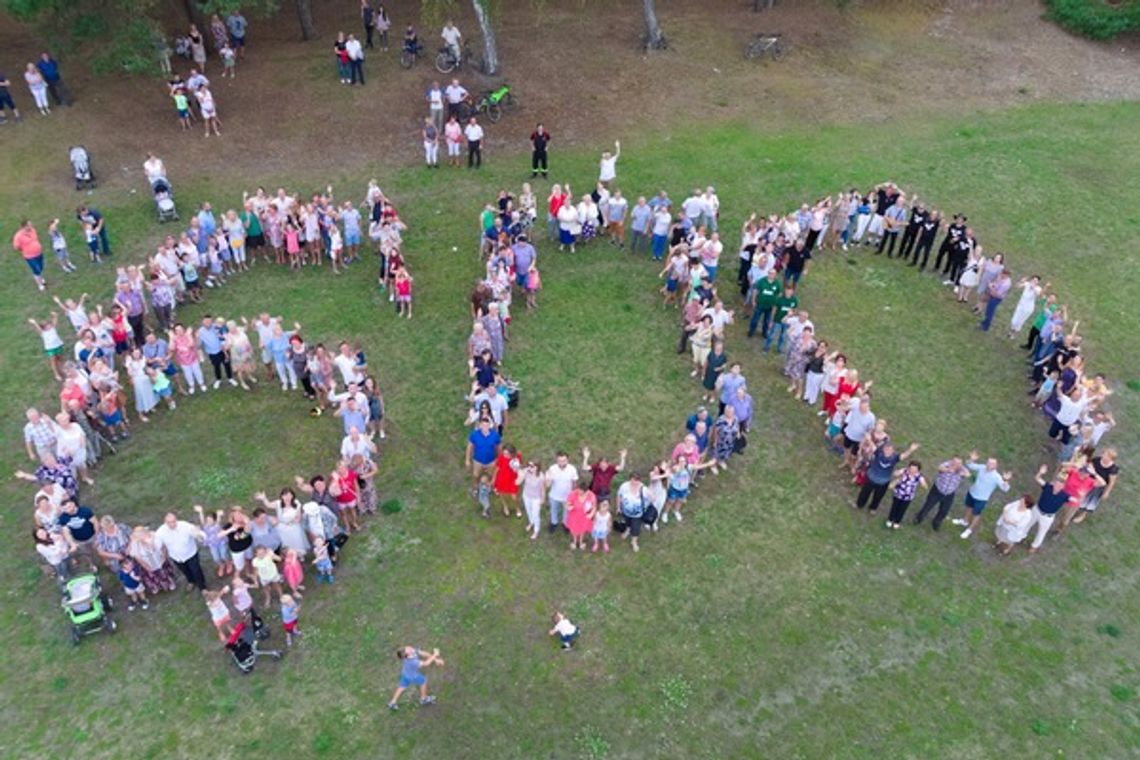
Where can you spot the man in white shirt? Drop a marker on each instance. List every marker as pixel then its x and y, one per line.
pixel 265 325
pixel 455 94
pixel 711 208
pixel 560 479
pixel 607 167
pixel 355 52
pixel 474 134
pixel 500 407
pixel 154 168
pixel 452 38
pixel 693 206
pixel 435 105
pixel 350 371
pixel 357 444
pixel 179 539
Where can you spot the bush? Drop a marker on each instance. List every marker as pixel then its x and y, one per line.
pixel 1095 19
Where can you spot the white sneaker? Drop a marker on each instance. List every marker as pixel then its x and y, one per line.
pixel 191 391
pixel 284 387
pixel 217 384
pixel 383 435
pixel 959 521
pixel 678 516
pixel 233 382
pixel 966 533
pixel 664 518
pixel 845 246
pixel 203 388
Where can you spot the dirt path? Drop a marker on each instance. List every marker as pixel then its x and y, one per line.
pixel 579 70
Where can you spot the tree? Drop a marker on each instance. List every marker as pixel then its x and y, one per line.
pixel 654 38
pixel 490 49
pixel 305 15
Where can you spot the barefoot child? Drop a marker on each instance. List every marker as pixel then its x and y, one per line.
pixel 603 523
pixel 412 660
pixel 132 585
pixel 53 344
pixel 219 613
pixel 294 573
pixel 566 631
pixel 289 612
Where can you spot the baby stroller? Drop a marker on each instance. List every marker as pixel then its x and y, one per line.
pixel 163 199
pixel 87 606
pixel 81 165
pixel 242 645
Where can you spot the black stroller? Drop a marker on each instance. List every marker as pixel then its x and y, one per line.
pixel 242 645
pixel 81 166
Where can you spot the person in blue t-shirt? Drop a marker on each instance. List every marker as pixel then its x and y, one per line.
pixel 412 661
pixel 482 449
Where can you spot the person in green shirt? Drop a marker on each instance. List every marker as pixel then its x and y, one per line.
pixel 254 236
pixel 785 303
pixel 1047 308
pixel 766 293
pixel 182 105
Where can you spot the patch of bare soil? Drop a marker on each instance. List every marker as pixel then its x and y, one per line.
pixel 578 67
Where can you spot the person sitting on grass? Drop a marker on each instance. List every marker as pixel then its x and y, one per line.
pixel 566 631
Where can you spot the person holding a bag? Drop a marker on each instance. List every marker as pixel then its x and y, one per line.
pixel 633 502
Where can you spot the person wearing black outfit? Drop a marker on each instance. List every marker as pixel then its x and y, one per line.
pixel 367 19
pixel 539 139
pixel 959 255
pixel 953 231
pixel 918 215
pixel 928 230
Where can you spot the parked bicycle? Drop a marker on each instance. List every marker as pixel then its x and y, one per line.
pixel 446 62
pixel 408 57
pixel 771 45
pixel 496 102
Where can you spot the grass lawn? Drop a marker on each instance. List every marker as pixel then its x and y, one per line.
pixel 773 623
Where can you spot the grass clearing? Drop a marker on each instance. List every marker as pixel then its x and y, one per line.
pixel 773 623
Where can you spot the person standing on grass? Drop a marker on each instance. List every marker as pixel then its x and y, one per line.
pixel 6 102
pixel 412 661
pixel 640 217
pixel 483 447
pixel 987 479
pixel 560 479
pixel 474 134
pixel 928 231
pixel 996 292
pixel 27 242
pixel 918 215
pixel 764 296
pixel 616 210
pixel 49 69
pixel 1031 290
pixel 435 104
pixel 505 479
pixel 539 140
pixel 38 87
pixel 1052 498
pixel 179 540
pixel 210 341
pixel 355 54
pixel 907 481
pixel 1013 526
pixel 237 25
pixel 879 474
pixel 607 167
pixel 602 472
pixel 456 94
pixel 950 474
pixel 633 497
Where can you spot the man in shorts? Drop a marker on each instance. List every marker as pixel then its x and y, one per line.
pixel 27 242
pixel 987 479
pixel 482 450
pixel 412 661
pixel 616 211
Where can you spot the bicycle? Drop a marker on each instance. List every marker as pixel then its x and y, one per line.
pixel 446 62
pixel 771 45
pixel 495 102
pixel 408 57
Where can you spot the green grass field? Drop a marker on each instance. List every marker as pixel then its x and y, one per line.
pixel 773 623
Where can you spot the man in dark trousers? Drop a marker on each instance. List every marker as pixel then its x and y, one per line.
pixel 928 230
pixel 539 139
pixel 367 19
pixel 954 231
pixel 918 214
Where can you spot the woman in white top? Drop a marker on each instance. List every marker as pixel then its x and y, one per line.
pixel 607 167
pixel 38 87
pixel 1013 526
pixel 55 551
pixel 569 226
pixel 154 168
pixel 145 398
pixel 588 217
pixel 1031 290
pixel 968 280
pixel 290 520
pixel 533 491
pixel 71 441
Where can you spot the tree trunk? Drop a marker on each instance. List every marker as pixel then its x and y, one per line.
pixel 305 15
pixel 654 37
pixel 490 50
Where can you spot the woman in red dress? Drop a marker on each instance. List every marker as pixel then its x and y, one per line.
pixel 344 488
pixel 580 508
pixel 505 481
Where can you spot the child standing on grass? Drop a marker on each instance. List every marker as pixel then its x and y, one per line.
pixel 59 246
pixel 603 523
pixel 336 247
pixel 404 292
pixel 321 560
pixel 242 600
pixel 412 660
pixel 484 494
pixel 132 585
pixel 212 532
pixel 74 312
pixel 160 383
pixel 268 577
pixel 293 245
pixel 219 613
pixel 53 344
pixel 294 573
pixel 290 609
pixel 566 631
pixel 91 237
pixel 112 416
pixel 533 285
pixel 835 424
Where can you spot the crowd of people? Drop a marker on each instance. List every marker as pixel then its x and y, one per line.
pixel 140 332
pixel 775 256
